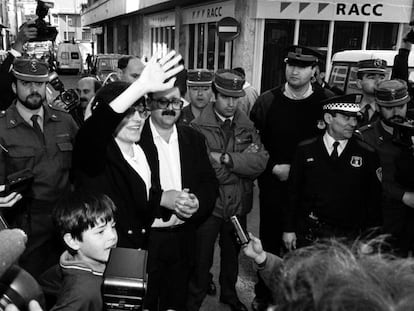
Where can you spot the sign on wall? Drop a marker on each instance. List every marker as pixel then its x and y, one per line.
pixel 397 11
pixel 208 13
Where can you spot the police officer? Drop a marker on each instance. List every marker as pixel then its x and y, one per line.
pixel 284 116
pixel 334 180
pixel 37 138
pixel 199 92
pixel 392 97
pixel 238 157
pixel 370 72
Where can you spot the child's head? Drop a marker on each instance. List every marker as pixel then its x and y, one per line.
pixel 86 222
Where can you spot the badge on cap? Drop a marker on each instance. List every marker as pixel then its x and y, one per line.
pixel 356 161
pixel 378 63
pixel 33 66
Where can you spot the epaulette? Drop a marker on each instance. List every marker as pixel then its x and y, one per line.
pixel 57 108
pixel 308 141
pixel 2 113
pixel 365 128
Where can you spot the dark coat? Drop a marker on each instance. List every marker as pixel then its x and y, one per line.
pixel 344 193
pixel 196 171
pixel 99 166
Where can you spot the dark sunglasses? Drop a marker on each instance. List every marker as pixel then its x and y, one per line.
pixel 139 107
pixel 176 104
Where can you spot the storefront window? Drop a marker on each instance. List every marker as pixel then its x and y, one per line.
pixel 162 39
pixel 314 33
pixel 382 36
pixel 277 37
pixel 209 51
pixel 348 36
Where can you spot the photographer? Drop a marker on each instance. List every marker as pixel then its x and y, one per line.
pixel 398 201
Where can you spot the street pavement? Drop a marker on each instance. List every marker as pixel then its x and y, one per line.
pixel 247 276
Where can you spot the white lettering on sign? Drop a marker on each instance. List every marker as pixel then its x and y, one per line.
pixel 227 29
pixel 366 9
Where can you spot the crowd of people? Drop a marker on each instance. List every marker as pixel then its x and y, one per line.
pixel 136 168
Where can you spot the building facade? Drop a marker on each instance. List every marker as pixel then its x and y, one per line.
pixel 267 27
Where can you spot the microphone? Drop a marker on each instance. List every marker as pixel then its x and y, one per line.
pixel 12 245
pixel 17 286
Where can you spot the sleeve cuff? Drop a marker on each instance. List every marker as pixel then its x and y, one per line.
pixel 15 53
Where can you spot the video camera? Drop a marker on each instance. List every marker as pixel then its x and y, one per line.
pixel 45 32
pixel 69 97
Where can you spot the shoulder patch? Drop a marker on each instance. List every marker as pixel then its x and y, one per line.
pixel 308 141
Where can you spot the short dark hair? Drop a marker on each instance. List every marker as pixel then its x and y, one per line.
pixel 124 60
pixel 80 210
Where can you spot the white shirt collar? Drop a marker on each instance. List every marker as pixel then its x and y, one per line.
pixel 223 118
pixel 290 94
pixel 328 141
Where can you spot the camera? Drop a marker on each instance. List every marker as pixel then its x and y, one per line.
pixel 69 97
pixel 242 236
pixel 45 32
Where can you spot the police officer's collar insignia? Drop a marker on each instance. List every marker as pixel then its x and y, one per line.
pixel 33 66
pixel 321 125
pixel 13 122
pixel 356 161
pixel 377 63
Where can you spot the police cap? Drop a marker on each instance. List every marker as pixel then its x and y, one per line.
pixel 391 93
pixel 229 82
pixel 31 70
pixel 372 66
pixel 199 77
pixel 345 104
pixel 301 56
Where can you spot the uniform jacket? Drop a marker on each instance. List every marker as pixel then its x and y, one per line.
pixel 376 136
pixel 343 193
pixel 186 116
pixel 236 181
pixel 50 164
pixel 196 171
pixel 100 166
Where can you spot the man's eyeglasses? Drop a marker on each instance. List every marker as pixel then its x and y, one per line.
pixel 176 104
pixel 141 109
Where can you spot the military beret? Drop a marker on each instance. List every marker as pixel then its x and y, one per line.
pixel 199 77
pixel 372 66
pixel 301 56
pixel 31 70
pixel 229 82
pixel 391 93
pixel 345 104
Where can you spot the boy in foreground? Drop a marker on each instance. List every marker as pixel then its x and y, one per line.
pixel 87 225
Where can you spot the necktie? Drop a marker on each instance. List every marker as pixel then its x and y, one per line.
pixel 226 127
pixel 37 129
pixel 334 154
pixel 365 118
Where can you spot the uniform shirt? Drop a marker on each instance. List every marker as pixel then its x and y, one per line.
pixel 170 168
pixel 328 140
pixel 27 114
pixel 50 163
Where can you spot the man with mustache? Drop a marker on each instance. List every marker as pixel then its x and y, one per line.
pixel 397 203
pixel 183 166
pixel 334 181
pixel 35 137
